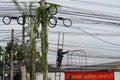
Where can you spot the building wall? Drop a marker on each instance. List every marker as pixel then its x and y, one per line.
pixel 50 75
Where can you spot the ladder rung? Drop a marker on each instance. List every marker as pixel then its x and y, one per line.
pixel 60 44
pixel 57 75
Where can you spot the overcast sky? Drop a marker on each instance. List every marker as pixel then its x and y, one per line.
pixel 88 17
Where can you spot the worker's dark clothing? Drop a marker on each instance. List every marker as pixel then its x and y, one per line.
pixel 60 57
pixel 17 76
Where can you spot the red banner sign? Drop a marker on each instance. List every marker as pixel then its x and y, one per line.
pixel 89 75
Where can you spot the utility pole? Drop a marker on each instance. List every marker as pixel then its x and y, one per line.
pixel 44 40
pixel 23 47
pixel 23 36
pixel 11 56
pixel 32 48
pixel 3 66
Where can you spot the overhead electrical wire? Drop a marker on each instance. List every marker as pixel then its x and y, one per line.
pixel 94 21
pixel 97 37
pixel 102 49
pixel 87 14
pixel 83 1
pixel 89 10
pixel 84 34
pixel 77 44
pixel 87 3
pixel 74 27
pixel 92 34
pixel 116 31
pixel 20 2
pixel 89 56
pixel 113 23
pixel 97 3
pixel 90 50
pixel 93 47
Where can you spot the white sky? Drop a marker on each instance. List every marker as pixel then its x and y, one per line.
pixel 90 44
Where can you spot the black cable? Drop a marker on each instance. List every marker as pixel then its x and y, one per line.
pixel 97 3
pixel 85 14
pixel 97 37
pixel 88 10
pixel 84 34
pixel 20 1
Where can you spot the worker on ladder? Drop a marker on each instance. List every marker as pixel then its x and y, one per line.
pixel 60 54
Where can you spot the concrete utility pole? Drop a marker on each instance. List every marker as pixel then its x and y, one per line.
pixel 3 66
pixel 23 37
pixel 32 48
pixel 11 56
pixel 44 41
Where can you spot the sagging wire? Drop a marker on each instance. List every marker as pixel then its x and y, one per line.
pixel 96 37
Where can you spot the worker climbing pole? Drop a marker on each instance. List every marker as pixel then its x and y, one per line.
pixel 60 55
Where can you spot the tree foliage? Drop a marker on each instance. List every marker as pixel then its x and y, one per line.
pixel 1 60
pixel 39 17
